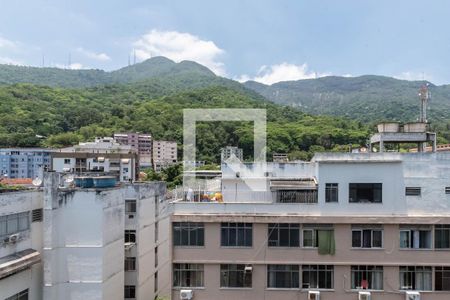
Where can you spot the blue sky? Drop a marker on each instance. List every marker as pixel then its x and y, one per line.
pixel 268 41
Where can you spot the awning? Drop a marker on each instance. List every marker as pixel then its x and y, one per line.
pixel 293 184
pixel 18 261
pixel 101 159
pixel 125 160
pixel 66 169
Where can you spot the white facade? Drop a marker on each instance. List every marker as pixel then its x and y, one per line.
pixel 29 240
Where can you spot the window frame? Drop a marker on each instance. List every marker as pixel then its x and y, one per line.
pixel 242 278
pixel 275 238
pixel 315 271
pixel 129 205
pixel 413 191
pixel 331 192
pixel 240 232
pixel 128 236
pixel 412 272
pixel 179 229
pixel 366 270
pixel 359 185
pixel 444 236
pixel 361 239
pixel 130 264
pixel 181 272
pixel 410 240
pixel 131 291
pixel 283 270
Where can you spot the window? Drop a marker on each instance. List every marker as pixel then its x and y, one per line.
pixel 412 191
pixel 236 276
pixel 442 278
pixel 130 206
pixel 447 190
pixel 66 161
pixel 36 215
pixel 317 277
pixel 331 192
pixel 367 238
pixel 23 295
pixel 319 236
pixel 365 192
pixel 130 263
pixel 188 234
pixel 442 236
pixel 367 277
pixel 284 235
pixel 130 236
pixel 236 234
pixel 130 291
pixel 415 238
pixel 14 223
pixel 296 196
pixel 188 275
pixel 283 276
pixel 415 278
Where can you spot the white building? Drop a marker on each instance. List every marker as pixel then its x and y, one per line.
pixel 102 156
pixel 21 245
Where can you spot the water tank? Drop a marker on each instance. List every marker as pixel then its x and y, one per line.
pixel 388 127
pixel 415 127
pixel 84 182
pixel 104 181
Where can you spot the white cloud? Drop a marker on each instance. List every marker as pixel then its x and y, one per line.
pixel 10 61
pixel 93 55
pixel 5 43
pixel 180 46
pixel 282 72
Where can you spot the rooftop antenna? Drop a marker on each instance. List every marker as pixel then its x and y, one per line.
pixel 134 56
pixel 128 59
pixel 70 62
pixel 43 60
pixel 424 95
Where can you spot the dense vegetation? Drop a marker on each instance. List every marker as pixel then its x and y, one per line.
pixel 63 117
pixel 364 98
pixel 57 107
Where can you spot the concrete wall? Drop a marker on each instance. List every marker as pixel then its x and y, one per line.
pixel 83 240
pixel 12 203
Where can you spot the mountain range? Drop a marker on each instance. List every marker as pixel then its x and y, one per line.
pixel 367 98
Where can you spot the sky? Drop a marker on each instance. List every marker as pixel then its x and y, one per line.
pixel 266 41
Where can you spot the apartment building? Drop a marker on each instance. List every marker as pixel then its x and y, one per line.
pixel 141 142
pixel 341 227
pixel 24 162
pixel 104 155
pixel 230 151
pixel 21 245
pixel 164 154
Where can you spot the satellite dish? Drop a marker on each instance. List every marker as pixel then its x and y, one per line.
pixel 37 181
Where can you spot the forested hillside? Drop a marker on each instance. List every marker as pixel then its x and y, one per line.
pixel 366 98
pixel 67 116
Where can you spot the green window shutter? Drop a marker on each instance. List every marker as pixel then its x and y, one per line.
pixel 326 242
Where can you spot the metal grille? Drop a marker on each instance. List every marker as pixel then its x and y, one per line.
pixel 36 215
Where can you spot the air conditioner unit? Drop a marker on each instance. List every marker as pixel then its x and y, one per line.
pixel 13 238
pixel 364 296
pixel 186 294
pixel 313 295
pixel 412 295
